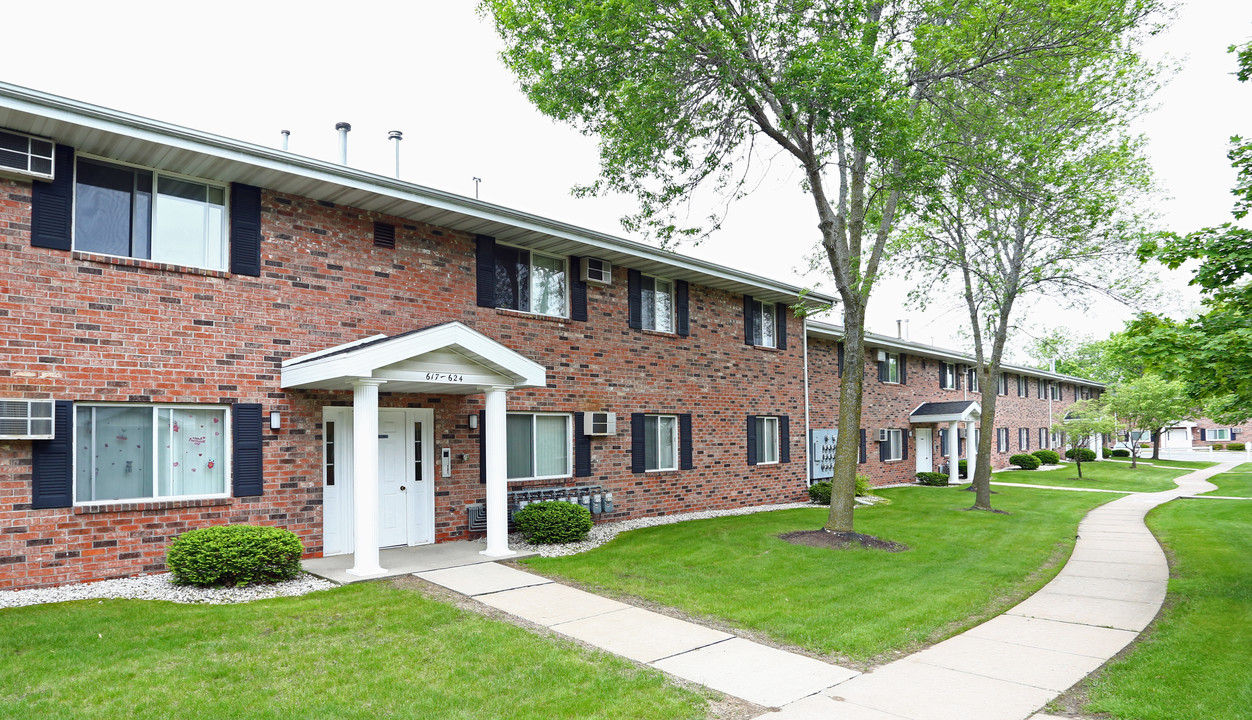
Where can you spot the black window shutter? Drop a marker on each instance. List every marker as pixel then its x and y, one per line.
pixel 247 454
pixel 1075 393
pixel 686 453
pixel 959 374
pixel 943 373
pixel 861 458
pixel 637 450
pixel 682 317
pixel 784 438
pixel 904 443
pixel 52 206
pixel 751 439
pixel 781 311
pixel 884 449
pixel 943 442
pixel 486 262
pixel 52 469
pixel 634 298
pixel 482 446
pixel 577 291
pixel 1203 434
pixel 882 371
pixel 904 373
pixel 245 229
pixel 384 235
pixel 582 448
pixel 749 321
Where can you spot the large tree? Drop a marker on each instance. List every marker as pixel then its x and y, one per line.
pixel 681 92
pixel 1148 404
pixel 1038 198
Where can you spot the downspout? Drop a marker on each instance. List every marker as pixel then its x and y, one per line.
pixel 808 431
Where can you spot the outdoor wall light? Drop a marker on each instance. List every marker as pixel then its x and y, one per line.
pixel 473 421
pixel 276 420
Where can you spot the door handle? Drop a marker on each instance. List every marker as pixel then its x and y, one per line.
pixel 401 487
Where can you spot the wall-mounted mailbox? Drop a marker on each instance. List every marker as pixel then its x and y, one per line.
pixel 822 453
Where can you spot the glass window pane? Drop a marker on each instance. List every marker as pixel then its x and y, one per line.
pixel 182 230
pixel 664 306
pixel 102 208
pixel 217 195
pixel 192 451
pixel 647 304
pixel 520 447
pixel 667 455
pixel 182 189
pixel 767 325
pixel 548 286
pixel 650 442
pixel 114 456
pixel 512 278
pixel 551 445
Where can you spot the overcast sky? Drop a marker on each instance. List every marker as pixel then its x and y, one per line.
pixel 246 70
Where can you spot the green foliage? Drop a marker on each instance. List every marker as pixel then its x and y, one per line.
pixel 1218 446
pixel 1236 446
pixel 1025 462
pixel 1081 454
pixel 1047 457
pixel 932 479
pixel 1120 453
pixel 863 488
pixel 553 522
pixel 819 493
pixel 225 555
pixel 962 468
pixel 1149 403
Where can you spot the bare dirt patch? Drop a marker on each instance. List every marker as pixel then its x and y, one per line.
pixel 840 540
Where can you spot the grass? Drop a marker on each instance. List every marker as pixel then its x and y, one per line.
pixel 1102 475
pixel 850 605
pixel 1188 464
pixel 1236 483
pixel 363 651
pixel 1193 663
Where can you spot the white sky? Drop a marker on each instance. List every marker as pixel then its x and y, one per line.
pixel 430 69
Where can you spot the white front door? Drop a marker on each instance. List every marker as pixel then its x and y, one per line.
pixel 924 450
pixel 406 481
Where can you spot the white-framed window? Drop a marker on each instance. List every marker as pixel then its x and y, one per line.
pixel 972 378
pixel 1055 389
pixel 947 376
pixel 1023 439
pixel 1002 439
pixel 141 452
pixel 764 324
pixel 1217 434
pixel 894 445
pixel 539 445
pixel 657 304
pixel 1043 437
pixel 1002 385
pixel 135 212
pixel 1023 386
pixel 891 367
pixel 766 440
pixel 531 282
pixel 660 442
pixel 1084 393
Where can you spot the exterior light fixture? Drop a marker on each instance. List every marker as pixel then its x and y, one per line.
pixel 473 421
pixel 276 420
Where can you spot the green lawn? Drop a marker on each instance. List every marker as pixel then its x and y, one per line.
pixel 1189 464
pixel 1193 664
pixel 363 651
pixel 851 605
pixel 1236 483
pixel 1102 475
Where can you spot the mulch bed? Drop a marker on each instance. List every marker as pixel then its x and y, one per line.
pixel 840 540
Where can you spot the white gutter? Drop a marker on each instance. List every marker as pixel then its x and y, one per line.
pixel 808 433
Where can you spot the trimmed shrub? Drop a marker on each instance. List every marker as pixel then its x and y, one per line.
pixel 1047 457
pixel 1025 462
pixel 553 521
pixel 932 479
pixel 1236 446
pixel 863 488
pixel 962 468
pixel 235 555
pixel 1120 452
pixel 1081 454
pixel 819 492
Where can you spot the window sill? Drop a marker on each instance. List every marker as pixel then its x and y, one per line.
pixel 146 264
pixel 658 471
pixel 659 333
pixel 143 505
pixel 766 348
pixel 532 316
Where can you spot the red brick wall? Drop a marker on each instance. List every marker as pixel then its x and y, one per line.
pixel 1242 433
pixel 86 328
pixel 888 405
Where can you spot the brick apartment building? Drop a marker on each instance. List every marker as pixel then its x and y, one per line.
pixel 230 333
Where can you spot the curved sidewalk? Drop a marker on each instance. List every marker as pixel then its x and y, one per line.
pixel 1005 669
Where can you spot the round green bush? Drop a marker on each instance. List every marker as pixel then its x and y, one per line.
pixel 235 555
pixel 819 492
pixel 933 479
pixel 1236 446
pixel 1047 457
pixel 553 521
pixel 863 488
pixel 1120 452
pixel 962 468
pixel 1081 454
pixel 1025 462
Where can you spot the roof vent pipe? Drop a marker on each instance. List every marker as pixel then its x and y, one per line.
pixel 286 137
pixel 397 136
pixel 343 129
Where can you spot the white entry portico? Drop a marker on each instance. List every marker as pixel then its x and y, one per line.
pixel 448 359
pixel 954 413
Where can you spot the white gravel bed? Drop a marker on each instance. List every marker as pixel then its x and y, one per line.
pixel 604 532
pixel 159 587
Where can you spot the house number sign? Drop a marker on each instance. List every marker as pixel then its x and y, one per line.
pixel 445 377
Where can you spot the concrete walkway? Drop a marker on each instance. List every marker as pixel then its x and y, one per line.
pixel 1005 669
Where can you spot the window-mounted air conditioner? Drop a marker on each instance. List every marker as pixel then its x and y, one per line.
pixel 23 156
pixel 595 270
pixel 25 419
pixel 599 423
pixel 884 435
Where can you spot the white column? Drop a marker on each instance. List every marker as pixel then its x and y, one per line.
pixel 365 477
pixel 954 459
pixel 971 449
pixel 1095 445
pixel 497 480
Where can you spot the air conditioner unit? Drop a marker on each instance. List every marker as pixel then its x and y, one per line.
pixel 884 435
pixel 595 270
pixel 23 156
pixel 599 423
pixel 960 432
pixel 26 419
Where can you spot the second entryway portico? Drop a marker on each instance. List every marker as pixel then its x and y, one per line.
pixel 955 413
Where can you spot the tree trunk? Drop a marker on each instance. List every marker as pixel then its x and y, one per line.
pixel 1156 445
pixel 1078 462
pixel 848 445
pixel 981 481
